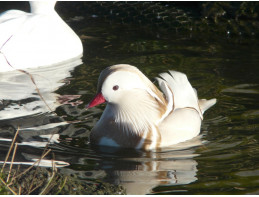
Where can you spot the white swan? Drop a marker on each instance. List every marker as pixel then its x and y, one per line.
pixel 36 39
pixel 139 116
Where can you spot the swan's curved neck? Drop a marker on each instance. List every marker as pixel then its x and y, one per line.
pixel 42 7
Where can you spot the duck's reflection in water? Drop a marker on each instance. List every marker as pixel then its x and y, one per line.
pixel 169 166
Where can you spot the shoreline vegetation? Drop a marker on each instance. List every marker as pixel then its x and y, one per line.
pixel 36 180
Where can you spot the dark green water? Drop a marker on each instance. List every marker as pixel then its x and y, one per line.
pixel 225 160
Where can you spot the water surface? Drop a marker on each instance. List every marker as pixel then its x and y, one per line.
pixel 222 160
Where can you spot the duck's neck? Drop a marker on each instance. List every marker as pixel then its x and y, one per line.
pixel 42 7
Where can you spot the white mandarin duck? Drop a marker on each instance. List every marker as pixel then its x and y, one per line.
pixel 39 38
pixel 138 115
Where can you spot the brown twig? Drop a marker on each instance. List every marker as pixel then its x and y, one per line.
pixel 5 43
pixel 10 149
pixel 41 158
pixel 37 89
pixel 32 79
pixel 33 164
pixel 36 187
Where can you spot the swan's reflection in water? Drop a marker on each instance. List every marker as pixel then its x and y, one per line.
pixel 19 96
pixel 28 100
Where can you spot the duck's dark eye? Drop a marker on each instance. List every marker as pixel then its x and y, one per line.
pixel 116 87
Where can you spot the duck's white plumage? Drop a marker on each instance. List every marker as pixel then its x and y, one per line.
pixel 139 115
pixel 39 38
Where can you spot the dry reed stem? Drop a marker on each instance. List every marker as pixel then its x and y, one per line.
pixel 47 187
pixel 36 187
pixel 40 160
pixel 45 190
pixel 20 190
pixel 13 177
pixel 31 77
pixel 45 152
pixel 62 186
pixel 7 186
pixel 10 149
pixel 37 89
pixel 33 164
pixel 11 165
pixel 34 175
pixel 54 167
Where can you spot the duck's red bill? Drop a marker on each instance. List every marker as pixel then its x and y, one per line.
pixel 98 99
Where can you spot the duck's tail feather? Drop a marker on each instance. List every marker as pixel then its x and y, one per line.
pixel 184 96
pixel 206 104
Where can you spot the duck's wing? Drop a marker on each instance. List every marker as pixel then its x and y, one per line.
pixel 168 95
pixel 178 91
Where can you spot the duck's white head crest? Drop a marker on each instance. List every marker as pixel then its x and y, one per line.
pixel 115 81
